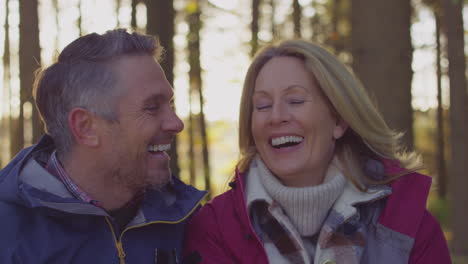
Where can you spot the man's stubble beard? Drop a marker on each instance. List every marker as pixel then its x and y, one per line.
pixel 135 176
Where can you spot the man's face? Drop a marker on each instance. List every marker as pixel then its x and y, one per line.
pixel 136 145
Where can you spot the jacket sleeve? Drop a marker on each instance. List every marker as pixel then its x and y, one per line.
pixel 430 245
pixel 5 257
pixel 203 242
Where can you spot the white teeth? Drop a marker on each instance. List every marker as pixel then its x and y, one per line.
pixel 162 147
pixel 287 139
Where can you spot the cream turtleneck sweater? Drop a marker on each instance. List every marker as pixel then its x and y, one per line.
pixel 307 207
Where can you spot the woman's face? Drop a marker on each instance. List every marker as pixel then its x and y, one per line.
pixel 293 128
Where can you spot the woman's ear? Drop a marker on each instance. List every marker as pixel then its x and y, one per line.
pixel 340 128
pixel 83 127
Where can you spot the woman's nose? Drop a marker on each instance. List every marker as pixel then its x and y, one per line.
pixel 279 114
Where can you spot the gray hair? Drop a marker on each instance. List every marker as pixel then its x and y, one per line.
pixel 82 77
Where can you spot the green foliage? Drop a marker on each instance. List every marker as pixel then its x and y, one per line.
pixel 425 140
pixel 222 142
pixel 459 260
pixel 440 209
pixel 191 7
pixel 425 129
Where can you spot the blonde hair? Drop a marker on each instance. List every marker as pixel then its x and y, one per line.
pixel 367 135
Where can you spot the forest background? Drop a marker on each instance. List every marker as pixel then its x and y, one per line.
pixel 410 55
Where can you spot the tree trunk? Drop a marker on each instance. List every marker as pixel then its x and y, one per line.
pixel 254 26
pixel 118 5
pixel 459 125
pixel 205 151
pixel 133 23
pixel 195 25
pixel 191 151
pixel 160 22
pixel 193 48
pixel 297 16
pixel 16 122
pixel 335 35
pixel 274 30
pixel 29 61
pixel 56 8
pixel 385 70
pixel 7 86
pixel 79 22
pixel 315 23
pixel 442 175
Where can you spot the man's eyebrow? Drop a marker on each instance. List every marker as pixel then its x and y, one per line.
pixel 154 98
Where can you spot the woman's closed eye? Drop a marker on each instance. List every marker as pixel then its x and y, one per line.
pixel 296 101
pixel 261 107
pixel 262 103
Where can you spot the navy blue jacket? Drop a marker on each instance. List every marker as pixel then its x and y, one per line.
pixel 41 222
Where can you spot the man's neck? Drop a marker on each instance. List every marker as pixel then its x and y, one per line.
pixel 97 183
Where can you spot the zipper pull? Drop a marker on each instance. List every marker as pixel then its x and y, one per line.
pixel 121 252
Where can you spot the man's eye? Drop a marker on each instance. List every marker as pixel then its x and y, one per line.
pixel 152 108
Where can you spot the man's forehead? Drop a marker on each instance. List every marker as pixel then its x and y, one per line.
pixel 141 72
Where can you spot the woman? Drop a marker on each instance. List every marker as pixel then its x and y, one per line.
pixel 321 178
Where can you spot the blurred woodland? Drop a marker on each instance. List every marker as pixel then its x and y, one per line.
pixel 375 38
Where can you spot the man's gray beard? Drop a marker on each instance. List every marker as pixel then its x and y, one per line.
pixel 138 181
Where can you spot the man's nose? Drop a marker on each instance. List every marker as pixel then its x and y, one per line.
pixel 173 123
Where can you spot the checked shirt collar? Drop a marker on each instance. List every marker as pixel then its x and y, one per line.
pixel 55 168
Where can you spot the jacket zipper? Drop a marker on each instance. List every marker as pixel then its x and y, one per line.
pixel 118 241
pixel 121 252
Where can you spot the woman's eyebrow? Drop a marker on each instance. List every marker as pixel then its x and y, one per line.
pixel 295 86
pixel 260 92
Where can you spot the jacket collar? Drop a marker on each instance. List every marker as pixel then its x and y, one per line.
pixel 345 206
pixel 28 184
pixel 10 184
pixel 172 204
pixel 404 197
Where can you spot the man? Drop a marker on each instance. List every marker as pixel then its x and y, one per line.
pixel 97 188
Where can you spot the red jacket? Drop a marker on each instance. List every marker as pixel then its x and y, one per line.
pixel 221 232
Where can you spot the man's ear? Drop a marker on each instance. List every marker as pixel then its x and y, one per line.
pixel 83 126
pixel 340 128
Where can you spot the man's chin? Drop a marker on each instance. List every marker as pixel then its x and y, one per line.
pixel 141 182
pixel 159 180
